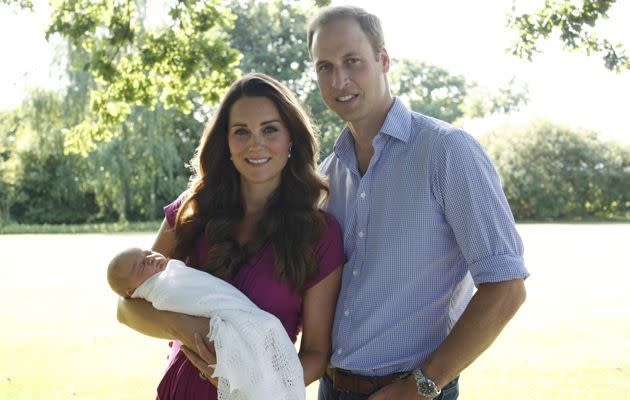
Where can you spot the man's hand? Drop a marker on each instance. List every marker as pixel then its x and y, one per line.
pixel 404 389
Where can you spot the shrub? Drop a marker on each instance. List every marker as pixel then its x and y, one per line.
pixel 555 172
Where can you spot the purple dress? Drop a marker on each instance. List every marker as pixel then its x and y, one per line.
pixel 181 379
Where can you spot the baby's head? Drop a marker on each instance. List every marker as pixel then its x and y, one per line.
pixel 130 268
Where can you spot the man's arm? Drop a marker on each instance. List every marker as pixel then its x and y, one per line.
pixel 489 310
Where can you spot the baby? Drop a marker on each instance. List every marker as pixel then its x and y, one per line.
pixel 255 357
pixel 132 267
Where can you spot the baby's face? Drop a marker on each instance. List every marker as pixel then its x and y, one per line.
pixel 143 264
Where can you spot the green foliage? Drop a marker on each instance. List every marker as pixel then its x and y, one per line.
pixel 429 89
pixel 509 98
pixel 433 91
pixel 573 22
pixel 553 172
pixel 144 166
pixel 184 65
pixel 18 4
pixel 39 183
pixel 130 177
pixel 271 39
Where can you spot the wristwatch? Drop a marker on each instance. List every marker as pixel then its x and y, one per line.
pixel 426 387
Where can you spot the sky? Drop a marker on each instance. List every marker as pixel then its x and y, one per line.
pixel 465 37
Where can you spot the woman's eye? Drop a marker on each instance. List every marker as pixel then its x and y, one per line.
pixel 270 129
pixel 240 132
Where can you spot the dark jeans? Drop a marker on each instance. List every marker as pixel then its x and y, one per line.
pixel 326 391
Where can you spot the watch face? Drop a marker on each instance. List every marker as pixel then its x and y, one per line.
pixel 426 387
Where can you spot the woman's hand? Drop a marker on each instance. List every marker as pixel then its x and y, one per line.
pixel 204 359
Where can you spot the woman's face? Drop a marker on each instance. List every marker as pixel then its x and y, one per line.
pixel 259 141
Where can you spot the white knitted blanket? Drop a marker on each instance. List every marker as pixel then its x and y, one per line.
pixel 255 357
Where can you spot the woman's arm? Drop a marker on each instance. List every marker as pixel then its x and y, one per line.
pixel 318 312
pixel 140 315
pixel 165 241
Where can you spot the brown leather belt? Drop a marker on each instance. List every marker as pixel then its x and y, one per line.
pixel 346 381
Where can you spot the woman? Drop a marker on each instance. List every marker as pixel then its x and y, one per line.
pixel 251 217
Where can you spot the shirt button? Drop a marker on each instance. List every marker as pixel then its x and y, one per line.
pixel 338 351
pixel 355 272
pixel 360 234
pixel 346 312
pixel 363 195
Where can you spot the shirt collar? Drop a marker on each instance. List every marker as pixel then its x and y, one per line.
pixel 397 124
pixel 398 121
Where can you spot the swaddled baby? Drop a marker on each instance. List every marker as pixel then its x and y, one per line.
pixel 255 357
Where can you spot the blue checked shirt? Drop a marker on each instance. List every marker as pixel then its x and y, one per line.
pixel 426 222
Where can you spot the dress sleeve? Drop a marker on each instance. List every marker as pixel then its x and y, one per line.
pixel 170 210
pixel 328 250
pixel 467 188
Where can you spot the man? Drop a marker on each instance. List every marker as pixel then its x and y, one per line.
pixel 425 221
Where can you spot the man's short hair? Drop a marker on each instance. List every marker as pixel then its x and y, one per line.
pixel 370 24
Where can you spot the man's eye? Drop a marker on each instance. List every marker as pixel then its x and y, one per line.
pixel 323 68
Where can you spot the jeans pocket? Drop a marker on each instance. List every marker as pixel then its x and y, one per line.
pixel 325 389
pixel 449 392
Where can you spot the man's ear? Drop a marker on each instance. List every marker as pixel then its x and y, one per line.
pixel 384 59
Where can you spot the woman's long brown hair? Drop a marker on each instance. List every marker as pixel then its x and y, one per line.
pixel 292 222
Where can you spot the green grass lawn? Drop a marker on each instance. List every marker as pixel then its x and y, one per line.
pixel 59 338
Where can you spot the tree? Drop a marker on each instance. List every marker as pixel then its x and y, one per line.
pixel 185 65
pixel 432 90
pixel 574 23
pixel 143 165
pixel 550 171
pixel 429 89
pixel 271 39
pixel 41 183
pixel 480 102
pixel 18 4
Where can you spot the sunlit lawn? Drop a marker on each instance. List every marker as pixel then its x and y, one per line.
pixel 59 338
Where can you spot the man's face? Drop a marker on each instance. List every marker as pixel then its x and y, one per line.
pixel 351 79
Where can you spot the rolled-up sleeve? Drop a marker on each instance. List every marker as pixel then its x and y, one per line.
pixel 467 187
